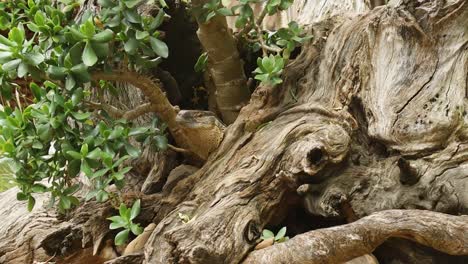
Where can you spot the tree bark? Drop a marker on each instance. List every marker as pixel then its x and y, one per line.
pixel 377 121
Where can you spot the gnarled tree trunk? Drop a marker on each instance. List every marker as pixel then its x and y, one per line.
pixel 371 116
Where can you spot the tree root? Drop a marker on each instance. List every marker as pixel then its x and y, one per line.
pixel 446 233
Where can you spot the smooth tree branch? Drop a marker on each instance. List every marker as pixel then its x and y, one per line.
pixel 443 232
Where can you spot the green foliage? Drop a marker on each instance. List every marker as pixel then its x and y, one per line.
pixel 7 173
pixel 202 61
pixel 184 218
pixel 280 43
pixel 209 10
pixel 56 138
pixel 125 220
pixel 278 238
pixel 269 69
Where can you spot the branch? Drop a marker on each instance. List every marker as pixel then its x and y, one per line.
pixel 443 232
pixel 115 112
pixel 158 101
pixel 258 22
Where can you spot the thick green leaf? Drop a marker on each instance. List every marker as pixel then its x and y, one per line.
pixel 132 3
pixel 280 233
pixel 121 237
pixel 31 203
pixel 117 225
pixel 81 116
pixel 201 62
pixel 89 56
pixel 39 18
pixel 267 234
pixel 159 47
pixel 74 167
pixel 56 72
pixel 21 196
pixel 16 35
pixel 11 65
pixel 136 229
pixel 64 202
pixel 135 210
pixel 88 28
pixel 77 34
pixel 132 151
pixel 161 142
pixel 95 154
pixel 70 83
pixel 102 196
pixel 131 46
pixel 139 35
pixel 158 20
pixel 85 168
pixel 39 188
pixel 77 96
pixel 22 70
pixel 224 11
pixel 123 211
pixel 104 36
pixel 74 154
pixel 84 150
pixel 34 58
pixel 80 72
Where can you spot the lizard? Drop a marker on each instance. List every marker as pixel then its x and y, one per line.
pixel 204 130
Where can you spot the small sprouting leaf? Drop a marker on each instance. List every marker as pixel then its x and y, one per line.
pixel 201 62
pixel 267 234
pixel 135 209
pixel 280 234
pixel 123 211
pixel 136 229
pixel 159 47
pixel 89 56
pixel 121 237
pixel 88 28
pixel 185 218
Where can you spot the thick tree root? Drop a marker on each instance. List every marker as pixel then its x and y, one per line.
pixel 443 232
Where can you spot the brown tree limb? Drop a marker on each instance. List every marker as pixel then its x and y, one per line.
pixel 446 233
pixel 225 65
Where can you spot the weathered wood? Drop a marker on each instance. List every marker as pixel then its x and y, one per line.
pixel 338 244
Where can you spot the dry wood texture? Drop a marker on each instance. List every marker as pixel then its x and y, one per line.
pixel 379 123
